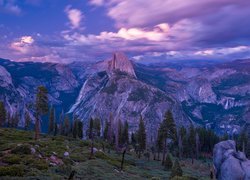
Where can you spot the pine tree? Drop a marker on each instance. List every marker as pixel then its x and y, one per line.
pixel 125 137
pixel 97 127
pixel 2 114
pixel 168 131
pixel 61 123
pixel 141 136
pixel 75 128
pixel 80 129
pixel 66 125
pixel 176 169
pixel 90 130
pixel 106 129
pixel 15 120
pixel 133 139
pixel 111 130
pixel 119 135
pixel 41 107
pixel 191 141
pixel 55 129
pixel 51 120
pixel 27 121
pixel 159 142
pixel 197 145
pixel 168 164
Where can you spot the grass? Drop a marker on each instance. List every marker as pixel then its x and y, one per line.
pixel 17 160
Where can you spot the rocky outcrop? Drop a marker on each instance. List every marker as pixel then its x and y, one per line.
pixel 120 62
pixel 229 163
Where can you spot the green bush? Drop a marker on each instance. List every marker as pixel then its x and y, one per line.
pixel 12 159
pixel 22 149
pixel 168 164
pixel 11 170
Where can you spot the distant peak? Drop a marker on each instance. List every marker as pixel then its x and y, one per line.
pixel 120 62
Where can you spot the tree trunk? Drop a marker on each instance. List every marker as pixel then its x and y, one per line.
pixel 123 155
pixel 92 149
pixel 158 155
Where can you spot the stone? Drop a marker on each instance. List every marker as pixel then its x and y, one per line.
pixel 230 164
pixel 66 154
pixel 33 150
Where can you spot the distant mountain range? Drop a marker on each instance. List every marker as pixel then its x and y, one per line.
pixel 211 94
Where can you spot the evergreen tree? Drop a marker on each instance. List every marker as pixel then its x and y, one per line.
pixel 159 142
pixel 66 125
pixel 176 169
pixel 167 131
pixel 75 128
pixel 141 136
pixel 125 136
pixel 51 120
pixel 55 129
pixel 197 144
pixel 133 139
pixel 168 163
pixel 97 127
pixel 111 130
pixel 27 121
pixel 191 141
pixel 61 123
pixel 80 129
pixel 2 114
pixel 120 129
pixel 15 120
pixel 106 129
pixel 41 106
pixel 90 130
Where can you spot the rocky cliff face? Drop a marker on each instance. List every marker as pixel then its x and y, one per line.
pixel 116 91
pixel 215 95
pixel 20 80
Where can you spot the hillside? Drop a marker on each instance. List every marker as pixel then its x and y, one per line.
pixel 21 156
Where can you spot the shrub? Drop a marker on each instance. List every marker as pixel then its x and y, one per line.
pixel 40 164
pixel 11 170
pixel 11 159
pixel 176 169
pixel 22 149
pixel 168 164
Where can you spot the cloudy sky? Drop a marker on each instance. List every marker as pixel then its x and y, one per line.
pixel 82 30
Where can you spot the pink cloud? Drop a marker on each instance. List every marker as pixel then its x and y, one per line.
pixel 75 17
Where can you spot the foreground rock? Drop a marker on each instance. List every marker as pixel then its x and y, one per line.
pixel 230 164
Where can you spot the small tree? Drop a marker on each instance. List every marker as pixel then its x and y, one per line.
pixel 75 128
pixel 176 169
pixel 51 120
pixel 106 129
pixel 90 130
pixel 168 164
pixel 167 131
pixel 55 129
pixel 125 138
pixel 41 106
pixel 141 137
pixel 27 121
pixel 66 125
pixel 80 129
pixel 2 114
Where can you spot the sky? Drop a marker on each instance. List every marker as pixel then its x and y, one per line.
pixel 83 30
